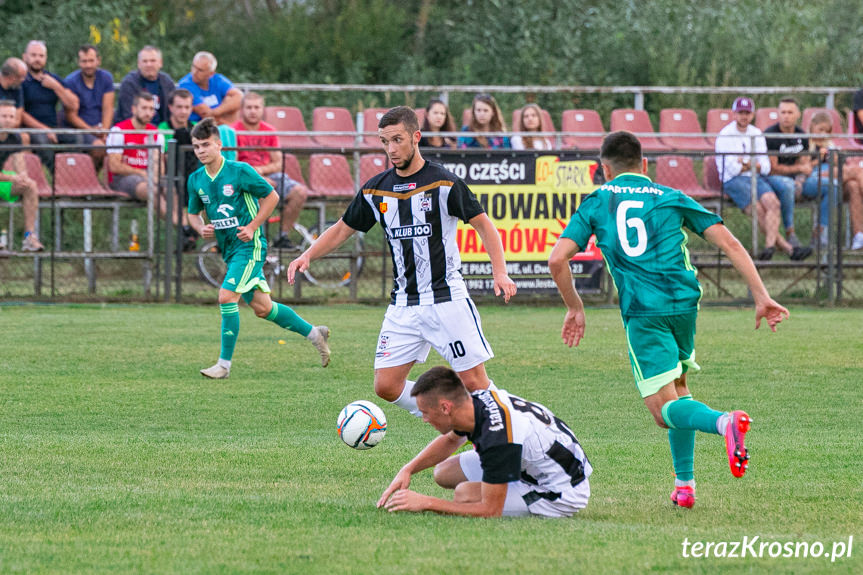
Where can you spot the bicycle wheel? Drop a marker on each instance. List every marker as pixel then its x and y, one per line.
pixel 333 270
pixel 211 267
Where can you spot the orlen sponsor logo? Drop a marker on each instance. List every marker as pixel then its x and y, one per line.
pixel 404 187
pixel 408 232
pixel 225 224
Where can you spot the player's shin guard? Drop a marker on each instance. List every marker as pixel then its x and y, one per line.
pixel 682 443
pixel 230 329
pixel 406 402
pixel 285 317
pixel 690 414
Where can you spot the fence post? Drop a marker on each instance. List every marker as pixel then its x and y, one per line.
pixel 754 195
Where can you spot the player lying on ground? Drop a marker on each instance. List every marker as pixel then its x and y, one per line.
pixel 526 461
pixel 639 228
pixel 237 201
pixel 418 204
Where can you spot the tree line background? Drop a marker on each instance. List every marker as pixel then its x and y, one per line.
pixel 497 42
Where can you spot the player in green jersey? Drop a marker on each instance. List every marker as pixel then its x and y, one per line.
pixel 639 228
pixel 237 200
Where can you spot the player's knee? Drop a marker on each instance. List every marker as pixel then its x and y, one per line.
pixel 657 417
pixel 388 390
pixel 260 311
pixel 448 474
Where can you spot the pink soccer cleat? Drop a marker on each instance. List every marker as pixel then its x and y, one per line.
pixel 683 496
pixel 738 455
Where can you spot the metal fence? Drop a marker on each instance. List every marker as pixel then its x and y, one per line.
pixel 88 230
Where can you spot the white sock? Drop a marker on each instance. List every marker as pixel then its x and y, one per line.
pixel 679 483
pixel 722 423
pixel 226 363
pixel 406 402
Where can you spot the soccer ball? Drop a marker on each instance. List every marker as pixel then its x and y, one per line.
pixel 362 424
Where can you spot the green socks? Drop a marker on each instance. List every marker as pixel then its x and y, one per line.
pixel 230 329
pixel 682 442
pixel 285 317
pixel 690 414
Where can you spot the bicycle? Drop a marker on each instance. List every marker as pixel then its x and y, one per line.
pixel 212 268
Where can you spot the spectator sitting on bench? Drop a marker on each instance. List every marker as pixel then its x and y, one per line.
pixel 531 121
pixel 485 117
pixel 215 95
pixel 128 167
pixel 94 88
pixel 437 119
pixel 16 183
pixel 269 163
pixel 852 181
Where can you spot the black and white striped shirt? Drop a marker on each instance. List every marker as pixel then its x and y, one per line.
pixel 419 215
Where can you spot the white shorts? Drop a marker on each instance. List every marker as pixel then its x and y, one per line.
pixel 519 492
pixel 453 328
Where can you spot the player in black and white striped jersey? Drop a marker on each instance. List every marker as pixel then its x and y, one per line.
pixel 418 204
pixel 526 460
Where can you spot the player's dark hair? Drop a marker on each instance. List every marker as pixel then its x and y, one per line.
pixel 621 151
pixel 442 382
pixel 179 93
pixel 205 129
pixel 400 115
pixel 790 100
pixel 143 95
pixel 84 48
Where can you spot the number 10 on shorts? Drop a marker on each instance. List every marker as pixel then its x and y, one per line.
pixel 457 348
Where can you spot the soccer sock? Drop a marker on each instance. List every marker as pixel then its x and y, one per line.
pixel 285 317
pixel 230 329
pixel 682 442
pixel 406 402
pixel 690 414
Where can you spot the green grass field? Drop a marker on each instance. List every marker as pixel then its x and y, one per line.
pixel 117 456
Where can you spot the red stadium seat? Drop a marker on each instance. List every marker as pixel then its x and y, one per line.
pixel 717 118
pixel 330 176
pixel 677 172
pixel 547 123
pixel 682 121
pixel 712 182
pixel 371 117
pixel 766 117
pixel 75 176
pixel 289 119
pixel 421 116
pixel 325 119
pixel 371 165
pixel 637 122
pixel 292 168
pixel 585 121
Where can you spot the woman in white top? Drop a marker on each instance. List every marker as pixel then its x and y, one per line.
pixel 531 121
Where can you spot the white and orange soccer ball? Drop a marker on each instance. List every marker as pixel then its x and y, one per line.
pixel 362 424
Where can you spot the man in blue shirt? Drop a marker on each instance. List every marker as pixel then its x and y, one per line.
pixel 95 90
pixel 12 75
pixel 214 95
pixel 42 91
pixel 148 77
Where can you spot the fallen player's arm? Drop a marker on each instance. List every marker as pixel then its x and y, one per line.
pixel 493 497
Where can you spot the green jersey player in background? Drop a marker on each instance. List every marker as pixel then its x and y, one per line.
pixel 639 228
pixel 237 200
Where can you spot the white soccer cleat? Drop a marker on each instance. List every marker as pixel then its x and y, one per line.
pixel 216 372
pixel 319 336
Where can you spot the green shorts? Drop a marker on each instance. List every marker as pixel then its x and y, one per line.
pixel 6 189
pixel 244 275
pixel 661 348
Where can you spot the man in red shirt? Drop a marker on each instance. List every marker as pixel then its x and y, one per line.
pixel 268 163
pixel 127 167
